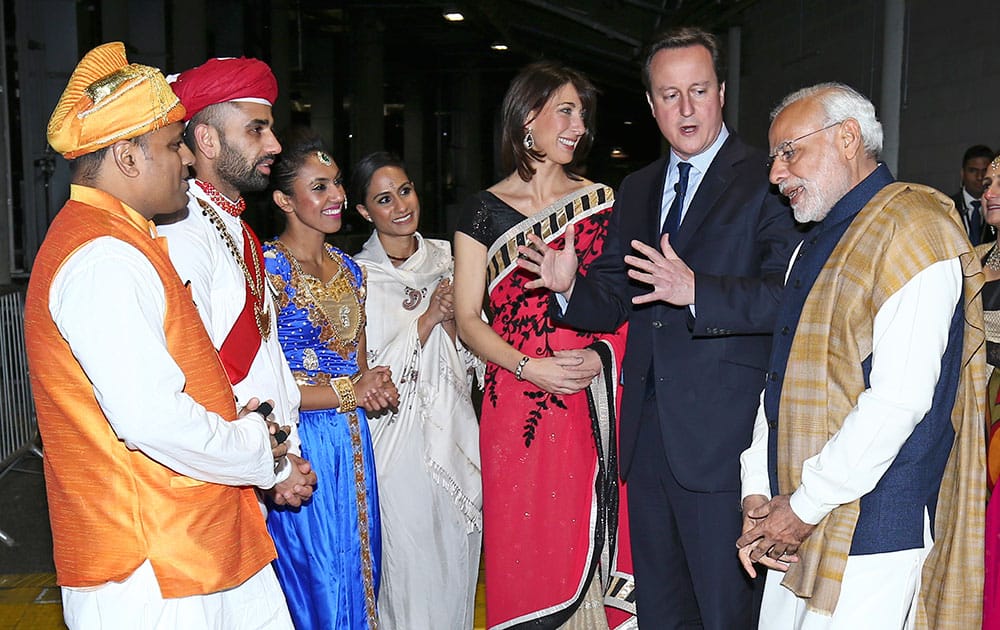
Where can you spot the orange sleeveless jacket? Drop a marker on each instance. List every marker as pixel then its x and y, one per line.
pixel 112 508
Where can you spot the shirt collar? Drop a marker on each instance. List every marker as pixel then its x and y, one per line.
pixel 968 199
pixel 703 160
pixel 108 202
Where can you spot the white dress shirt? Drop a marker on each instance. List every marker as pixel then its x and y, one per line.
pixel 699 166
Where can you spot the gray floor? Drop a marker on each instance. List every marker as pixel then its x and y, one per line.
pixel 24 516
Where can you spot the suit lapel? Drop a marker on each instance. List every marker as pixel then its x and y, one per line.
pixel 655 202
pixel 713 185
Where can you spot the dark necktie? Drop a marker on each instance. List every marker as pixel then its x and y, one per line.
pixel 673 220
pixel 976 223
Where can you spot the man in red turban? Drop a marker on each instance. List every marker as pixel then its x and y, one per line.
pixel 229 130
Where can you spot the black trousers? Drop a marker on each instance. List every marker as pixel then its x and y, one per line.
pixel 687 574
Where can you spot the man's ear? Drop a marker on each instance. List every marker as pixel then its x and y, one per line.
pixel 125 154
pixel 283 202
pixel 206 140
pixel 850 138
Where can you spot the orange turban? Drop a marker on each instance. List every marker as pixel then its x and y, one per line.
pixel 107 100
pixel 222 80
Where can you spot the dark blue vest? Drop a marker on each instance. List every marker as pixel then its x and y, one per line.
pixel 891 516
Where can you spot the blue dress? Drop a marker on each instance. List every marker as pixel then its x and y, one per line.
pixel 329 550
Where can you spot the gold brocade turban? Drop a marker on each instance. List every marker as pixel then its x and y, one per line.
pixel 107 100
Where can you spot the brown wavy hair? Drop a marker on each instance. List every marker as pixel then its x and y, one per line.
pixel 530 90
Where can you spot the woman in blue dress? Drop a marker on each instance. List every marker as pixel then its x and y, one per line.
pixel 329 549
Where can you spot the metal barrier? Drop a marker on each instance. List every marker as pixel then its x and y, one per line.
pixel 18 425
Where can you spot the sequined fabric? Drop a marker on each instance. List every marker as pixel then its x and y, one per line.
pixel 329 564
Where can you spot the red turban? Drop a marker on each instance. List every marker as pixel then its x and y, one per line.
pixel 225 80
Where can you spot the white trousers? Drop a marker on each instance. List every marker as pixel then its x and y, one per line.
pixel 136 604
pixel 877 593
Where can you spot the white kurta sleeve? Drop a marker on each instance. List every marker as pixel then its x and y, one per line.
pixel 108 303
pixel 753 461
pixel 910 337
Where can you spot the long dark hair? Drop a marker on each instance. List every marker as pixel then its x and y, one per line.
pixel 530 90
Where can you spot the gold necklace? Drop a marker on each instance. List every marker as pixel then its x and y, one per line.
pixel 254 280
pixel 340 320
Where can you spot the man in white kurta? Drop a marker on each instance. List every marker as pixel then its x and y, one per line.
pixel 886 459
pixel 229 130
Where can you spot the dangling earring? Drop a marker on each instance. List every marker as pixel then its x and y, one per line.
pixel 529 140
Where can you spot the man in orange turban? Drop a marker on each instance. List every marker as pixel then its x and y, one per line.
pixel 150 470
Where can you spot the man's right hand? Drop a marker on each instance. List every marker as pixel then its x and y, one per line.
pixel 555 268
pixel 278 450
pixel 751 503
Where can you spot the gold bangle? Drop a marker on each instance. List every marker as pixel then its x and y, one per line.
pixel 520 366
pixel 345 392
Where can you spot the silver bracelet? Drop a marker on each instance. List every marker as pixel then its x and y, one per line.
pixel 520 366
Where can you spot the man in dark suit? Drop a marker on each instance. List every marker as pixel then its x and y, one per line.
pixel 967 200
pixel 698 342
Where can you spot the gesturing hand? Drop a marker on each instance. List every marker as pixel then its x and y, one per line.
pixel 672 280
pixel 555 268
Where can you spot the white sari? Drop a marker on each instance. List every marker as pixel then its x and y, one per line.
pixel 426 454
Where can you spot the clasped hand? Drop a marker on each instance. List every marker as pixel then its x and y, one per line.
pixel 298 486
pixel 565 372
pixel 376 392
pixel 772 533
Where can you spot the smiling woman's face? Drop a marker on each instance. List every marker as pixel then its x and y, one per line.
pixel 391 202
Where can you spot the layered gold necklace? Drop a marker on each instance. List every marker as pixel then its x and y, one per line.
pixel 254 279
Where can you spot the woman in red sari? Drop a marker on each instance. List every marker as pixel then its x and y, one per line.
pixel 555 528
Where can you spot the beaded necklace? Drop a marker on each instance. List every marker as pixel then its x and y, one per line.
pixel 993 259
pixel 255 279
pixel 234 208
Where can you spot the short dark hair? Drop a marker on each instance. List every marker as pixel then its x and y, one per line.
pixel 211 116
pixel 684 37
pixel 977 151
pixel 85 168
pixel 365 169
pixel 530 90
pixel 298 143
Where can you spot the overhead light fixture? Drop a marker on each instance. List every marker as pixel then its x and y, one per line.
pixel 498 46
pixel 618 154
pixel 453 15
pixel 627 122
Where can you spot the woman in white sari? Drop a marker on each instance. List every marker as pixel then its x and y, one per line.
pixel 426 454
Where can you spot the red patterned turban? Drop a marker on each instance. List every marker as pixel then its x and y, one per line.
pixel 222 80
